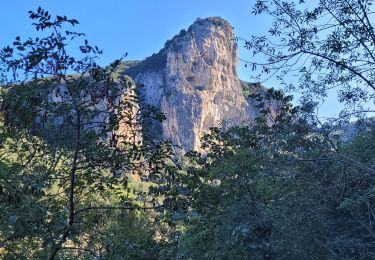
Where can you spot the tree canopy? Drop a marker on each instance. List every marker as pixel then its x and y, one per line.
pixel 328 45
pixel 81 177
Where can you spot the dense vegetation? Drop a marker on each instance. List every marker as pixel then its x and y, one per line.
pixel 83 180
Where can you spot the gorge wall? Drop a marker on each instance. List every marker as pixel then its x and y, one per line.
pixel 193 80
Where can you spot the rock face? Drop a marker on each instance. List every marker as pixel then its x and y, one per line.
pixel 193 81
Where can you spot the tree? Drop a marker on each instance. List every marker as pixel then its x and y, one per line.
pixel 71 135
pixel 280 191
pixel 328 44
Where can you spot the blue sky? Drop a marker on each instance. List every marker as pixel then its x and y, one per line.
pixel 137 27
pixel 140 27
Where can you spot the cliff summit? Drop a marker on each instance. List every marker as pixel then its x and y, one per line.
pixel 193 80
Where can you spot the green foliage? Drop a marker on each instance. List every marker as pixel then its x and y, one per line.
pixel 70 143
pixel 218 21
pixel 153 63
pixel 77 183
pixel 280 192
pixel 249 89
pixel 326 45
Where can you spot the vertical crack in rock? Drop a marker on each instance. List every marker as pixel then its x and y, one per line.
pixel 193 81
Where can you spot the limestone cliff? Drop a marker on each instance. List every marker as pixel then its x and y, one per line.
pixel 193 81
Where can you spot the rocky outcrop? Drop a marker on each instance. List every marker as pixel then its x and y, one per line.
pixel 193 81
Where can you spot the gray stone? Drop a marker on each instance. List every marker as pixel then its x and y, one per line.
pixel 193 80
